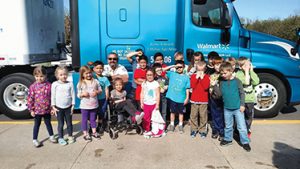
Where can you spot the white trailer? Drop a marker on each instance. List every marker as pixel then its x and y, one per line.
pixel 30 33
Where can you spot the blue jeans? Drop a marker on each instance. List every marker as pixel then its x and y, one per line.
pixel 241 125
pixel 62 115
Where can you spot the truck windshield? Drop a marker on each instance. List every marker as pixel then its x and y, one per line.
pixel 208 14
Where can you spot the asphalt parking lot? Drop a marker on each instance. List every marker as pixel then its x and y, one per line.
pixel 275 144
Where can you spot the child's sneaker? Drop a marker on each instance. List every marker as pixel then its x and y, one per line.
pixel 215 135
pixel 87 138
pixel 71 140
pixel 203 135
pixel 225 143
pixel 139 118
pixel 62 141
pixel 36 143
pixel 193 134
pixel 171 127
pixel 52 139
pixel 247 147
pixel 96 136
pixel 220 138
pixel 180 128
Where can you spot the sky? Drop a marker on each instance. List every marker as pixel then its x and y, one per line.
pixel 265 9
pixel 262 9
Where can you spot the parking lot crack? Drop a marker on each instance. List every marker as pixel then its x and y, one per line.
pixel 78 156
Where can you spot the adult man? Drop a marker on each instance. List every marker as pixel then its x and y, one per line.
pixel 113 69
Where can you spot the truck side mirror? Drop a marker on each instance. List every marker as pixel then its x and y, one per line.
pixel 225 25
pixel 189 54
pixel 294 50
pixel 200 2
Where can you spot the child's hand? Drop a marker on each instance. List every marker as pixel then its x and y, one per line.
pixel 186 101
pixel 94 93
pixel 142 105
pixel 85 94
pixel 32 114
pixel 242 109
pixel 72 109
pixel 54 111
pixel 139 53
pixel 162 90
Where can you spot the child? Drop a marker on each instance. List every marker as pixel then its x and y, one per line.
pixel 210 67
pixel 118 96
pixel 178 94
pixel 62 102
pixel 163 85
pixel 249 79
pixel 88 88
pixel 159 58
pixel 216 104
pixel 197 56
pixel 179 56
pixel 150 96
pixel 134 63
pixel 232 61
pixel 39 104
pixel 233 96
pixel 140 77
pixel 200 84
pixel 104 96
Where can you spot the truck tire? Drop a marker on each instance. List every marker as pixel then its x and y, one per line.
pixel 271 96
pixel 13 92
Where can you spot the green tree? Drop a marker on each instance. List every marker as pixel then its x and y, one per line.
pixel 285 28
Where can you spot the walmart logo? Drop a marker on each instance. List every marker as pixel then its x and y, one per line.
pixel 225 47
pixel 213 46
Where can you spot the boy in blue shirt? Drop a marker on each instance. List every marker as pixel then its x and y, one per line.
pixel 232 92
pixel 177 94
pixel 98 68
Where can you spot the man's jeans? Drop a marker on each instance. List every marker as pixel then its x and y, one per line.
pixel 241 125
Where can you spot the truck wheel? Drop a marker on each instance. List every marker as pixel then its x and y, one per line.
pixel 13 92
pixel 271 96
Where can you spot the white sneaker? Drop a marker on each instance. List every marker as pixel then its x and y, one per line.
pixel 52 139
pixel 36 143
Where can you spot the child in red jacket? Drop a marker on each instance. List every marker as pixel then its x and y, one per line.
pixel 200 86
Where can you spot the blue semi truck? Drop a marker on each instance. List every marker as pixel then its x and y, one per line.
pixel 121 26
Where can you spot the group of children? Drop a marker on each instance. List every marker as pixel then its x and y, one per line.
pixel 227 91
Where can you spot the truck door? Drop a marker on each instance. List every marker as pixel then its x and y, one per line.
pixel 206 23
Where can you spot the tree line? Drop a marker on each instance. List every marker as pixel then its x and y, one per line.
pixel 285 28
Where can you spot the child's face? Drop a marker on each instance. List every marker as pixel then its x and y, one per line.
pixel 62 75
pixel 158 71
pixel 159 59
pixel 40 78
pixel 201 67
pixel 98 70
pixel 179 68
pixel 210 61
pixel 143 64
pixel 226 74
pixel 197 58
pixel 179 57
pixel 119 86
pixel 217 67
pixel 149 76
pixel 87 75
